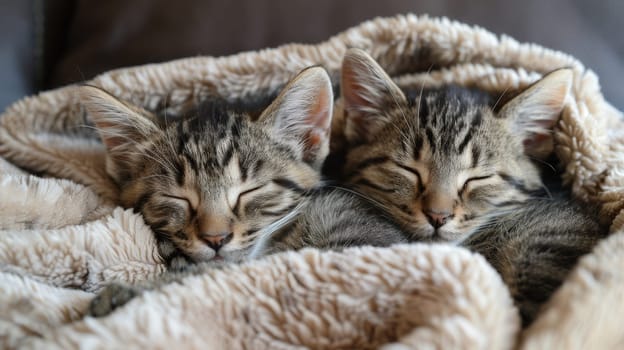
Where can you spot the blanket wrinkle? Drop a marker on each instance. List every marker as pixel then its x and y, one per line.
pixel 62 238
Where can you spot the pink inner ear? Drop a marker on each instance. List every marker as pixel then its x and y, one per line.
pixel 109 139
pixel 352 89
pixel 319 116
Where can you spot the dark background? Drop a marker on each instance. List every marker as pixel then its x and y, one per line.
pixel 50 43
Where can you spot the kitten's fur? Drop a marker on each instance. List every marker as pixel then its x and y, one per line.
pixel 219 187
pixel 447 166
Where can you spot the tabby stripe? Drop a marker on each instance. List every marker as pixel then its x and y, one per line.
pixel 418 143
pixel 405 209
pixel 158 225
pixel 465 141
pixel 537 287
pixel 365 182
pixel 180 174
pixel 235 127
pixel 192 161
pixel 562 255
pixel 370 162
pixel 285 232
pixel 516 183
pixel 476 153
pixel 180 235
pixel 430 139
pixel 257 167
pixel 423 110
pixel 227 156
pixel 143 199
pixel 250 231
pixel 244 170
pixel 288 184
pixel 468 217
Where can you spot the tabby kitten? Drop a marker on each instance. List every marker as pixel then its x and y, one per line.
pixel 449 167
pixel 218 186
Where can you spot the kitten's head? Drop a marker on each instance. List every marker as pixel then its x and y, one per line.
pixel 443 161
pixel 211 184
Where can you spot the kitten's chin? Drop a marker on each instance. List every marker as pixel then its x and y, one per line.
pixel 221 257
pixel 203 254
pixel 427 233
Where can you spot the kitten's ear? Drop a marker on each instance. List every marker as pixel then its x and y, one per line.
pixel 302 114
pixel 367 91
pixel 119 123
pixel 535 112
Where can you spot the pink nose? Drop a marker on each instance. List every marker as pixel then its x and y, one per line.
pixel 437 219
pixel 217 241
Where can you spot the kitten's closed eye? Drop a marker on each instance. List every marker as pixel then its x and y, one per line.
pixel 415 172
pixel 236 207
pixel 182 200
pixel 209 182
pixel 473 180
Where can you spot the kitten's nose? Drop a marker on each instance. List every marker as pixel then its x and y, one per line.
pixel 216 241
pixel 437 219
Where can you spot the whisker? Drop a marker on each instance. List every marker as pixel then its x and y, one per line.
pixel 165 163
pixel 111 133
pixel 500 98
pixel 264 234
pixel 422 88
pixel 370 200
pixel 552 167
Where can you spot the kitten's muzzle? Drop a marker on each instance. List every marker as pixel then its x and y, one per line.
pixel 217 241
pixel 438 207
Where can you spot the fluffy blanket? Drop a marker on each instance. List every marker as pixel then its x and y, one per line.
pixel 62 237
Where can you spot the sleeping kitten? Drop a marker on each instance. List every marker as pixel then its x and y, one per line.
pixel 219 186
pixel 448 167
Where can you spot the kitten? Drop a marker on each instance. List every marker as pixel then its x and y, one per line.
pixel 449 167
pixel 218 187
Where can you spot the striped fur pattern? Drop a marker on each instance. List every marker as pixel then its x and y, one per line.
pixel 535 246
pixel 449 166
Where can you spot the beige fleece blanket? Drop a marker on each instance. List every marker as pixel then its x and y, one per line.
pixel 62 237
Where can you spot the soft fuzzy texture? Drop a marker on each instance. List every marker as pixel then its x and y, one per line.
pixel 62 237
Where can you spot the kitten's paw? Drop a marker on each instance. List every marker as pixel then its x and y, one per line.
pixel 110 298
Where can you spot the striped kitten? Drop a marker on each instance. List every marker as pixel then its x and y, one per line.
pixel 448 167
pixel 218 186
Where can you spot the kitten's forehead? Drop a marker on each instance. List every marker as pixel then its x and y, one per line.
pixel 212 157
pixel 441 124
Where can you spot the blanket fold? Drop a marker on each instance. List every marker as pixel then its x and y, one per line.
pixel 62 238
